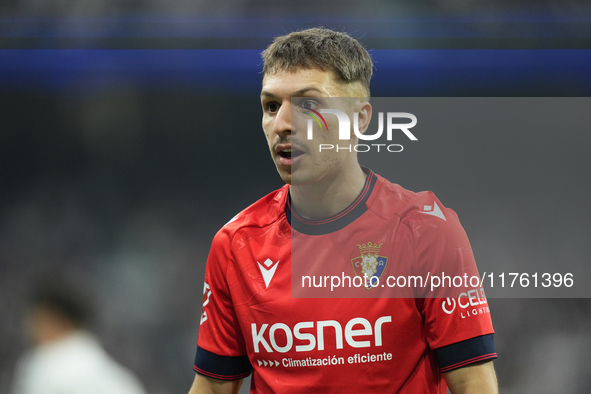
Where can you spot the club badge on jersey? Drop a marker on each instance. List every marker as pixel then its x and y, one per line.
pixel 369 264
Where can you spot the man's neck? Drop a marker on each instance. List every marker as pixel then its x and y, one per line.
pixel 325 199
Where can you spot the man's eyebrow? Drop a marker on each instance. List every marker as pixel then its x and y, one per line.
pixel 298 93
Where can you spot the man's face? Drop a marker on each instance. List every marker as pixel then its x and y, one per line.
pixel 45 324
pixel 298 160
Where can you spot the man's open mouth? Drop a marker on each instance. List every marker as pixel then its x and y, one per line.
pixel 290 153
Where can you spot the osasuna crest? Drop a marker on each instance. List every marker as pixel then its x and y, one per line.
pixel 370 263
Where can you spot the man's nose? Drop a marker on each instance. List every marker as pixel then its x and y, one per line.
pixel 283 119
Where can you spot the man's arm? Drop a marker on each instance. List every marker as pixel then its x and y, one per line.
pixel 477 378
pixel 204 385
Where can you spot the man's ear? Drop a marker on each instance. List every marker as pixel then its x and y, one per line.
pixel 365 111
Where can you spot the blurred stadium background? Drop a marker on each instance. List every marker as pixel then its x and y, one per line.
pixel 130 133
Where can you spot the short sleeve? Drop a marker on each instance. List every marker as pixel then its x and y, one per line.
pixel 456 313
pixel 221 351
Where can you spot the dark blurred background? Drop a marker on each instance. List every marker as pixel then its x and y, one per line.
pixel 130 133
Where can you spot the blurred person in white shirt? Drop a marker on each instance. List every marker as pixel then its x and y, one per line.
pixel 65 357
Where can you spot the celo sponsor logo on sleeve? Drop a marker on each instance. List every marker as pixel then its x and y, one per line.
pixel 469 303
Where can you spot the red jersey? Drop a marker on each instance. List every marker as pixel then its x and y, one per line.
pixel 258 314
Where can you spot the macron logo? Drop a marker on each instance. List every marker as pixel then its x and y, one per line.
pixel 268 270
pixel 433 210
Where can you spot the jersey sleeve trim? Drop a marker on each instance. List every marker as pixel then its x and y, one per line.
pixel 467 352
pixel 221 367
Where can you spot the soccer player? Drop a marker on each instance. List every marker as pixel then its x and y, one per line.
pixel 343 218
pixel 66 357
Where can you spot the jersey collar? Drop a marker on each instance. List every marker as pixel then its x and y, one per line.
pixel 335 222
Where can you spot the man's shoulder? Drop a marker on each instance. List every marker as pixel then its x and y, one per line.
pixel 394 200
pixel 260 214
